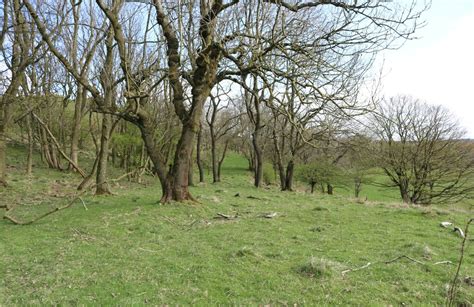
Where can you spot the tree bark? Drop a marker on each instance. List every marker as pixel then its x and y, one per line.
pixel 102 187
pixel 177 179
pixel 258 159
pixel 76 125
pixel 190 172
pixel 29 159
pixel 330 189
pixel 290 168
pixel 3 180
pixel 213 152
pixel 198 155
pixel 221 161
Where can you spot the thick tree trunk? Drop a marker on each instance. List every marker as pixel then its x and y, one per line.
pixel 159 164
pixel 190 171
pixel 290 168
pixel 177 179
pixel 102 187
pixel 198 155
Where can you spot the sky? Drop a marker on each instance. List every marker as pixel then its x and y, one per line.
pixel 438 67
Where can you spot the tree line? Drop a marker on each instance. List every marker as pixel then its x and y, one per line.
pixel 165 87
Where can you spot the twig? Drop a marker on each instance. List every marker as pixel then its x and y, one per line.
pixel 83 204
pixel 454 284
pixel 443 262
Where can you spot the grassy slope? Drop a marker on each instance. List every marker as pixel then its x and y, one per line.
pixel 127 249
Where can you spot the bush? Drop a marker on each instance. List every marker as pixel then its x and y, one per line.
pixel 268 175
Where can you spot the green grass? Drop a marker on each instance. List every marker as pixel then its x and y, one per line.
pixel 127 249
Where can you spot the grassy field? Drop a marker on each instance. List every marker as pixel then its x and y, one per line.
pixel 127 249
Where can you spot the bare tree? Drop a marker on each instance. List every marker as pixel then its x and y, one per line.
pixel 196 45
pixel 221 118
pixel 422 151
pixel 19 50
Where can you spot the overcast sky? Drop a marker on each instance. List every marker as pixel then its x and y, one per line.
pixel 439 66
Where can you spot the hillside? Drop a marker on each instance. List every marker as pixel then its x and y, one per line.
pixel 127 249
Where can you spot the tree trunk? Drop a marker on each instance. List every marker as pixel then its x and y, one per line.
pixel 198 155
pixel 357 187
pixel 190 171
pixel 279 162
pixel 88 179
pixel 213 154
pixel 258 160
pixel 221 161
pixel 177 179
pixel 290 169
pixel 403 186
pixel 76 126
pixel 330 189
pixel 102 187
pixel 3 180
pixel 159 164
pixel 29 159
pixel 312 186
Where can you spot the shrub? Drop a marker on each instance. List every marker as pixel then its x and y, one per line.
pixel 268 175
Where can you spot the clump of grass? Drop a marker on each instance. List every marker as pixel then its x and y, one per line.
pixel 427 252
pixel 245 251
pixel 320 209
pixel 317 229
pixel 319 268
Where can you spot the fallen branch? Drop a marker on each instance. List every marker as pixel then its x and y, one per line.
pixel 356 269
pixel 17 222
pixel 386 262
pixel 58 146
pixel 443 262
pixel 227 217
pixel 404 256
pixel 270 215
pixel 76 197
